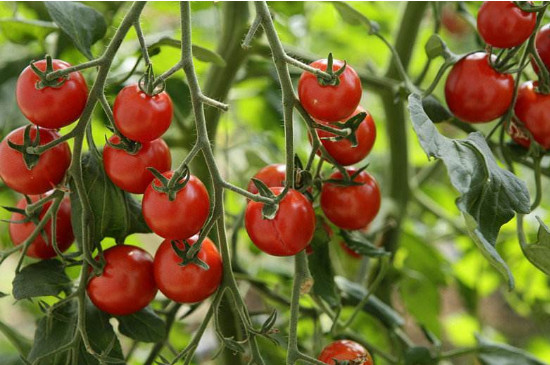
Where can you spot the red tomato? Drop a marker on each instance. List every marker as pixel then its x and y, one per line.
pixel 351 207
pixel 51 107
pixel 141 117
pixel 272 175
pixel 39 248
pixel 475 92
pixel 542 43
pixel 178 219
pixel 453 22
pixel 345 350
pixel 289 232
pixel 48 172
pixel 342 151
pixel 129 172
pixel 533 110
pixel 330 103
pixel 127 283
pixel 502 24
pixel 189 283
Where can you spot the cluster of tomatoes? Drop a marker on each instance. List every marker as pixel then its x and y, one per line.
pixel 476 92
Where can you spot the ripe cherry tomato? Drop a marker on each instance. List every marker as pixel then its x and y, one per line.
pixel 127 283
pixel 475 92
pixel 502 24
pixel 453 22
pixel 533 110
pixel 129 172
pixel 141 117
pixel 178 219
pixel 542 43
pixel 342 151
pixel 48 172
pixel 330 103
pixel 189 283
pixel 39 248
pixel 345 350
pixel 289 232
pixel 272 175
pixel 351 207
pixel 51 107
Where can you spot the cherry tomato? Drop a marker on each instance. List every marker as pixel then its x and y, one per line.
pixel 272 175
pixel 503 24
pixel 330 103
pixel 127 283
pixel 189 283
pixel 453 22
pixel 129 172
pixel 342 151
pixel 178 219
pixel 51 107
pixel 48 172
pixel 542 43
pixel 39 248
pixel 289 232
pixel 354 206
pixel 345 350
pixel 475 92
pixel 141 117
pixel 533 110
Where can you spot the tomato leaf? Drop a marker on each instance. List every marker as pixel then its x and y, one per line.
pixel 354 17
pixel 116 213
pixel 320 266
pixel 23 31
pixel 435 110
pixel 143 326
pixel 200 53
pixel 418 355
pixel 360 244
pixel 538 253
pixel 492 353
pixel 82 24
pixel 44 278
pixel 489 195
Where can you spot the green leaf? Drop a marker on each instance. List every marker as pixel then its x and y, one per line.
pixel 116 213
pixel 418 293
pixel 354 17
pixel 23 31
pixel 419 356
pixel 82 24
pixel 538 253
pixel 320 266
pixel 435 110
pixel 362 245
pixel 143 326
pixel 492 353
pixel 489 195
pixel 182 103
pixel 44 278
pixel 200 53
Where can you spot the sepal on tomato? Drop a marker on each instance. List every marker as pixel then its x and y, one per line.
pixel 183 254
pixel 171 186
pixel 30 159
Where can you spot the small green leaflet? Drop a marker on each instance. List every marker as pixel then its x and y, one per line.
pixel 538 253
pixel 144 326
pixel 491 353
pixel 44 278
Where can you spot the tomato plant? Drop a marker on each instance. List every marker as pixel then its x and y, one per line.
pixel 345 350
pixel 532 109
pixel 542 42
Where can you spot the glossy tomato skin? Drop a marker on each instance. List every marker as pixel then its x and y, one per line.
pixel 127 283
pixel 542 44
pixel 342 151
pixel 129 172
pixel 533 110
pixel 351 207
pixel 345 350
pixel 51 107
pixel 189 283
pixel 178 219
pixel 141 117
pixel 48 172
pixel 38 248
pixel 330 103
pixel 272 175
pixel 289 232
pixel 475 92
pixel 502 24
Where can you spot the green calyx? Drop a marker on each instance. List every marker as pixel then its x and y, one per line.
pixel 147 82
pixel 43 75
pixel 170 186
pixel 334 76
pixel 29 144
pixel 182 253
pixel 125 144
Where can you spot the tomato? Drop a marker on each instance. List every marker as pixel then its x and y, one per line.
pixel 39 248
pixel 533 110
pixel 475 92
pixel 48 172
pixel 289 232
pixel 330 103
pixel 127 283
pixel 342 151
pixel 503 24
pixel 178 219
pixel 453 22
pixel 345 350
pixel 51 107
pixel 129 172
pixel 542 43
pixel 141 117
pixel 272 175
pixel 351 207
pixel 189 283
